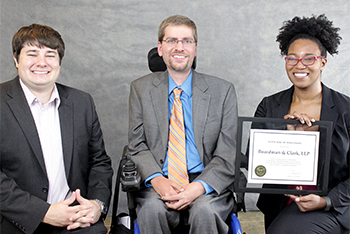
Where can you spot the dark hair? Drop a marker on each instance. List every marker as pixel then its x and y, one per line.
pixel 39 35
pixel 177 20
pixel 318 29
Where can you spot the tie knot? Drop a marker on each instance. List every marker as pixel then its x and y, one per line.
pixel 177 92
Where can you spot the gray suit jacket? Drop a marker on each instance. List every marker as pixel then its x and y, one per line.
pixel 214 119
pixel 24 183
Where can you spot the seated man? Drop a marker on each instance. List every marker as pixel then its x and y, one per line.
pixel 182 129
pixel 55 173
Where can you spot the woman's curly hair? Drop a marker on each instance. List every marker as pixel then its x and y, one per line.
pixel 318 29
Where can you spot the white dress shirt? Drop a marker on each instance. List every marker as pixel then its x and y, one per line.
pixel 47 123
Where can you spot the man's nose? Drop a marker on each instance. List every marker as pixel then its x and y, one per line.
pixel 41 61
pixel 179 46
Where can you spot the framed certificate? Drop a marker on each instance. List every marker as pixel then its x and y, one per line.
pixel 283 156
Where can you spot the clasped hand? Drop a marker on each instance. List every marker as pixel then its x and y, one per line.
pixel 83 215
pixel 177 197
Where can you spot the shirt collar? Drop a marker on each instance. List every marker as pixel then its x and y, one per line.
pixel 31 98
pixel 186 86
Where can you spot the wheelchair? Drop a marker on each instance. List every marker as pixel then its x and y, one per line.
pixel 127 175
pixel 127 169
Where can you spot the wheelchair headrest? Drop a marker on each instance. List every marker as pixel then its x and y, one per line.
pixel 156 63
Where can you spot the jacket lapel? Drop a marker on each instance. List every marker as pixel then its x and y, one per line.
pixel 159 98
pixel 20 109
pixel 284 102
pixel 200 109
pixel 67 125
pixel 327 112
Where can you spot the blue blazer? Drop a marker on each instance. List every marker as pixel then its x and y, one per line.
pixel 336 108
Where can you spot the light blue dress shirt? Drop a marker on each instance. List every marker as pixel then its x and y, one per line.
pixel 194 163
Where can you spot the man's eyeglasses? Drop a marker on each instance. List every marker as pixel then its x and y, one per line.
pixel 306 61
pixel 174 41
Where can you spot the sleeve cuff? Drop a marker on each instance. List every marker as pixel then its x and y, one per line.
pixel 148 180
pixel 206 186
pixel 328 203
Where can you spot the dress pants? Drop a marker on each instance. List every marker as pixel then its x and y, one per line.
pixel 207 214
pixel 291 220
pixel 97 228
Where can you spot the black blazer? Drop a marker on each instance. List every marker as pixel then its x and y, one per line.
pixel 336 108
pixel 24 183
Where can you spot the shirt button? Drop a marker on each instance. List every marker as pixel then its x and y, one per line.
pixel 161 161
pixel 45 190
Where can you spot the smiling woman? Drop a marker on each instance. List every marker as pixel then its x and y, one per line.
pixel 305 42
pixel 305 78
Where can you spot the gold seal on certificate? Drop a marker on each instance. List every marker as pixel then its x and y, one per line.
pixel 260 171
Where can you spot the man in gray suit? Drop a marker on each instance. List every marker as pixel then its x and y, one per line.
pixel 210 118
pixel 55 174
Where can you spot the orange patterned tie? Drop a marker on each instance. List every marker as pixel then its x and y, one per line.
pixel 177 166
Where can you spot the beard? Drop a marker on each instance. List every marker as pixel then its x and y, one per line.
pixel 179 66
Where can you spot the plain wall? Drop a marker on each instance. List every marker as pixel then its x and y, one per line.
pixel 107 42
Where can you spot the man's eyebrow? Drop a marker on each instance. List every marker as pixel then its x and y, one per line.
pixel 30 51
pixel 175 38
pixel 52 51
pixel 35 51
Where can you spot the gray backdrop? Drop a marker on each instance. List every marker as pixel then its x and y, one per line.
pixel 107 42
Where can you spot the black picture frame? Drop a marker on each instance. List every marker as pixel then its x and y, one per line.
pixel 242 158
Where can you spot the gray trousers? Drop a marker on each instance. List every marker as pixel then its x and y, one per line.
pixel 207 214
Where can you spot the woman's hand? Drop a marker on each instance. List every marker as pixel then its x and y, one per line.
pixel 309 203
pixel 305 120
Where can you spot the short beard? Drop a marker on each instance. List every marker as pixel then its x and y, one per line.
pixel 178 68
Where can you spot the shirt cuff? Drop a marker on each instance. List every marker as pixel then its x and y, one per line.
pixel 206 186
pixel 148 180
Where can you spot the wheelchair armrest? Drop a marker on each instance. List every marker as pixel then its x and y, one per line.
pixel 130 177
